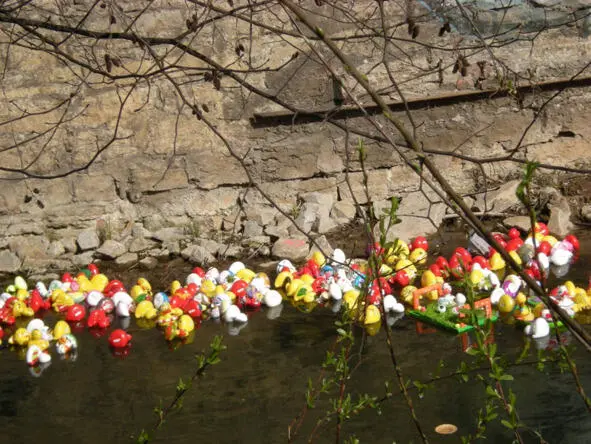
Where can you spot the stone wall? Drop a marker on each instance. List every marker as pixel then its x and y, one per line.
pixel 168 186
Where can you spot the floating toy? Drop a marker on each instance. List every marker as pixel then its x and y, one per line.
pixel 98 318
pixel 119 338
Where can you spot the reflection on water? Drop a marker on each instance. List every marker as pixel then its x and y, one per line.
pixel 258 388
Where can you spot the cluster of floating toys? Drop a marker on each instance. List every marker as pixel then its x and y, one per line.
pixel 90 300
pixel 434 293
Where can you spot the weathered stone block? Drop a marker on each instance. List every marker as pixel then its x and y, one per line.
pixel 169 234
pixel 88 240
pixel 149 263
pixel 251 229
pixel 141 244
pixel 289 248
pixel 560 215
pixel 29 246
pixel 9 262
pixel 198 255
pixel 343 212
pixel 83 259
pixel 111 249
pixel 321 244
pixel 56 249
pixel 127 259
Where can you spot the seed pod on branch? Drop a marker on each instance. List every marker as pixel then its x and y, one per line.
pixel 108 63
pixel 445 28
pixel 216 81
pixel 411 25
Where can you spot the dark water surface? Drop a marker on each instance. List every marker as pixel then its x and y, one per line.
pixel 258 388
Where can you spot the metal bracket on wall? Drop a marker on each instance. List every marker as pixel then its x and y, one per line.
pixel 278 118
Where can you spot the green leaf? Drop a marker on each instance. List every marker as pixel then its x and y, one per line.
pixel 213 360
pixel 506 378
pixel 144 437
pixel 507 424
pixel 491 416
pixel 492 350
pixel 492 392
pixel 472 351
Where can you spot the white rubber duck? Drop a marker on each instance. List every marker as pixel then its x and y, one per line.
pixel 561 253
pixel 539 328
pixel 272 298
pixel 233 314
pixel 236 267
pixel 391 305
pixel 194 278
pixel 338 256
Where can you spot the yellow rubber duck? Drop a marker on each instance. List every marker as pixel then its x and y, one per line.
pixel 351 298
pixel 21 294
pixel 245 274
pixel 84 283
pixel 550 239
pixel 304 293
pixel 497 262
pixel 185 324
pixel 406 264
pixel 20 337
pixel 307 279
pixel 292 287
pixel 175 285
pixel 282 280
pixel 208 288
pixel 506 304
pixel 37 339
pixel 181 328
pixel 396 252
pixel 99 282
pixel 60 299
pixel 418 256
pixel 372 315
pixel 427 279
pixel 143 282
pixel 582 300
pixel 61 328
pixel 145 310
pixel 406 294
pixel 476 276
pixel 523 312
pixel 515 256
pixel 168 315
pixel 318 258
pixel 19 308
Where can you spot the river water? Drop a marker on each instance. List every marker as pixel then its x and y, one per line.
pixel 256 391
